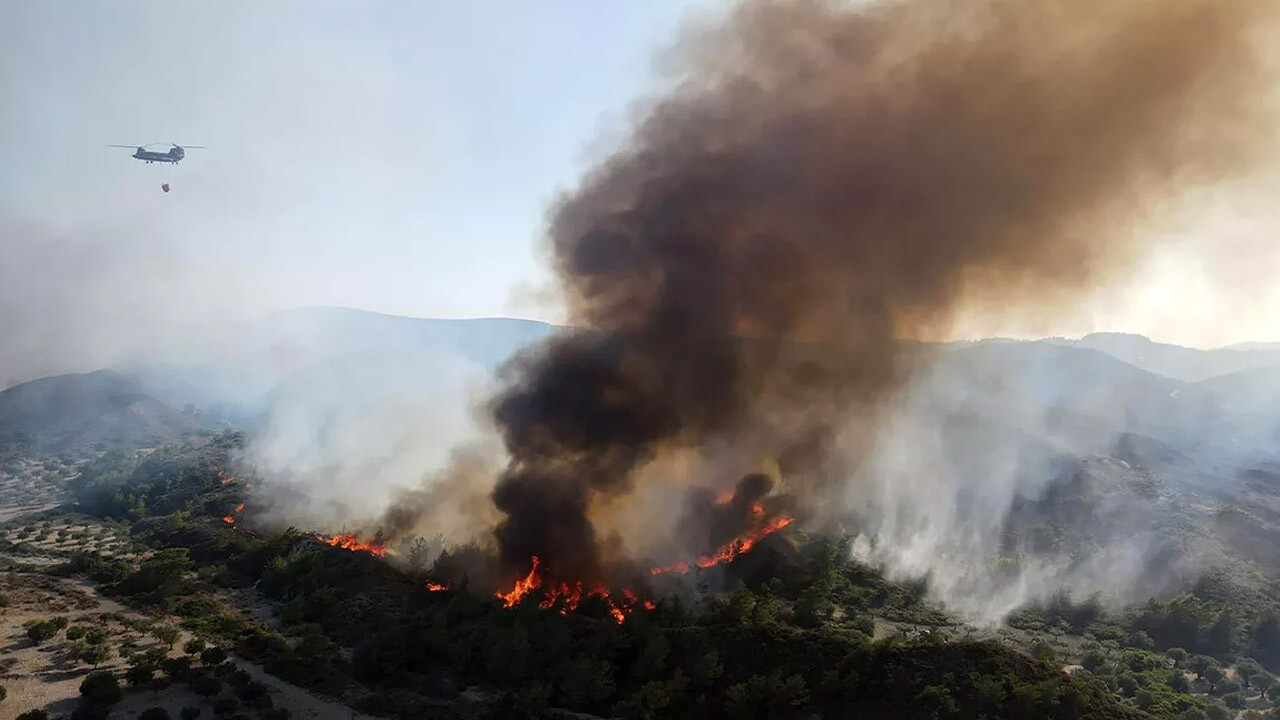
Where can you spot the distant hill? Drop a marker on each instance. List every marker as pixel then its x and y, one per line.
pixel 244 367
pixel 71 411
pixel 1188 364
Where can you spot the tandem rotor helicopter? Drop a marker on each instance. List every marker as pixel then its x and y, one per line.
pixel 173 155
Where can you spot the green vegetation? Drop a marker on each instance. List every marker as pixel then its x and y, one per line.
pixel 101 688
pixel 794 634
pixel 41 631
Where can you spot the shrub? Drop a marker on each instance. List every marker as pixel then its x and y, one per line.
pixel 206 686
pixel 154 713
pixel 1226 686
pixel 213 656
pixel 190 712
pixel 176 668
pixel 33 715
pixel 41 630
pixel 140 674
pixel 100 688
pixel 194 646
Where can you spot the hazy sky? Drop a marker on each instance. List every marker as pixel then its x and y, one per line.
pixel 393 156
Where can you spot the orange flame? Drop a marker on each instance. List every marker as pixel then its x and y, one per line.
pixel 225 478
pixel 732 549
pixel 348 541
pixel 522 587
pixel 567 596
pixel 231 519
pixel 436 587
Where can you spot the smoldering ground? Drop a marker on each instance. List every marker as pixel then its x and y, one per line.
pixel 827 179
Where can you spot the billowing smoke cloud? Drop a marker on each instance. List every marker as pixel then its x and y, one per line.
pixel 827 179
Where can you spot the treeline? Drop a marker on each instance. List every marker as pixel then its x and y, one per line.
pixel 1218 619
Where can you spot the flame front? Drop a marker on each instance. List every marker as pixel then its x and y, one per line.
pixel 569 596
pixel 348 541
pixel 732 549
pixel 231 519
pixel 436 587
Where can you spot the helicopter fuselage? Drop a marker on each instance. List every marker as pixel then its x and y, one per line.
pixel 149 156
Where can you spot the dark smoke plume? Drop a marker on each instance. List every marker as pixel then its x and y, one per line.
pixel 827 179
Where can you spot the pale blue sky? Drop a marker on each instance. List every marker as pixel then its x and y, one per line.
pixel 394 156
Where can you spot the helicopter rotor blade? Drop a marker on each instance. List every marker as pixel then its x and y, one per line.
pixel 188 147
pixel 124 146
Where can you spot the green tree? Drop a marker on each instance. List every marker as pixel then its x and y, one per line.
pixel 140 674
pixel 1223 636
pixel 706 670
pixel 742 604
pixel 1212 675
pixel 101 688
pixel 1141 640
pixel 648 703
pixel 1217 712
pixel 4 693
pixel 41 631
pixel 1226 686
pixel 509 653
pixel 1044 651
pixel 586 682
pixel 652 661
pixel 1199 664
pixel 190 712
pixel 213 656
pixel 1092 661
pixel 1144 698
pixel 176 667
pixel 91 654
pixel 206 686
pixel 763 695
pixel 1177 655
pixel 166 634
pixel 1246 669
pixel 1234 700
pixel 160 575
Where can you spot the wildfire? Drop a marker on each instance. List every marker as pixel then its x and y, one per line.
pixel 732 549
pixel 231 519
pixel 568 596
pixel 348 541
pixel 436 587
pixel 225 478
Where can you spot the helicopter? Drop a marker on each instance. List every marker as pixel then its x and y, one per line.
pixel 174 155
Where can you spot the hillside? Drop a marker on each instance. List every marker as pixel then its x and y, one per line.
pixel 78 411
pixel 1181 363
pixel 241 368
